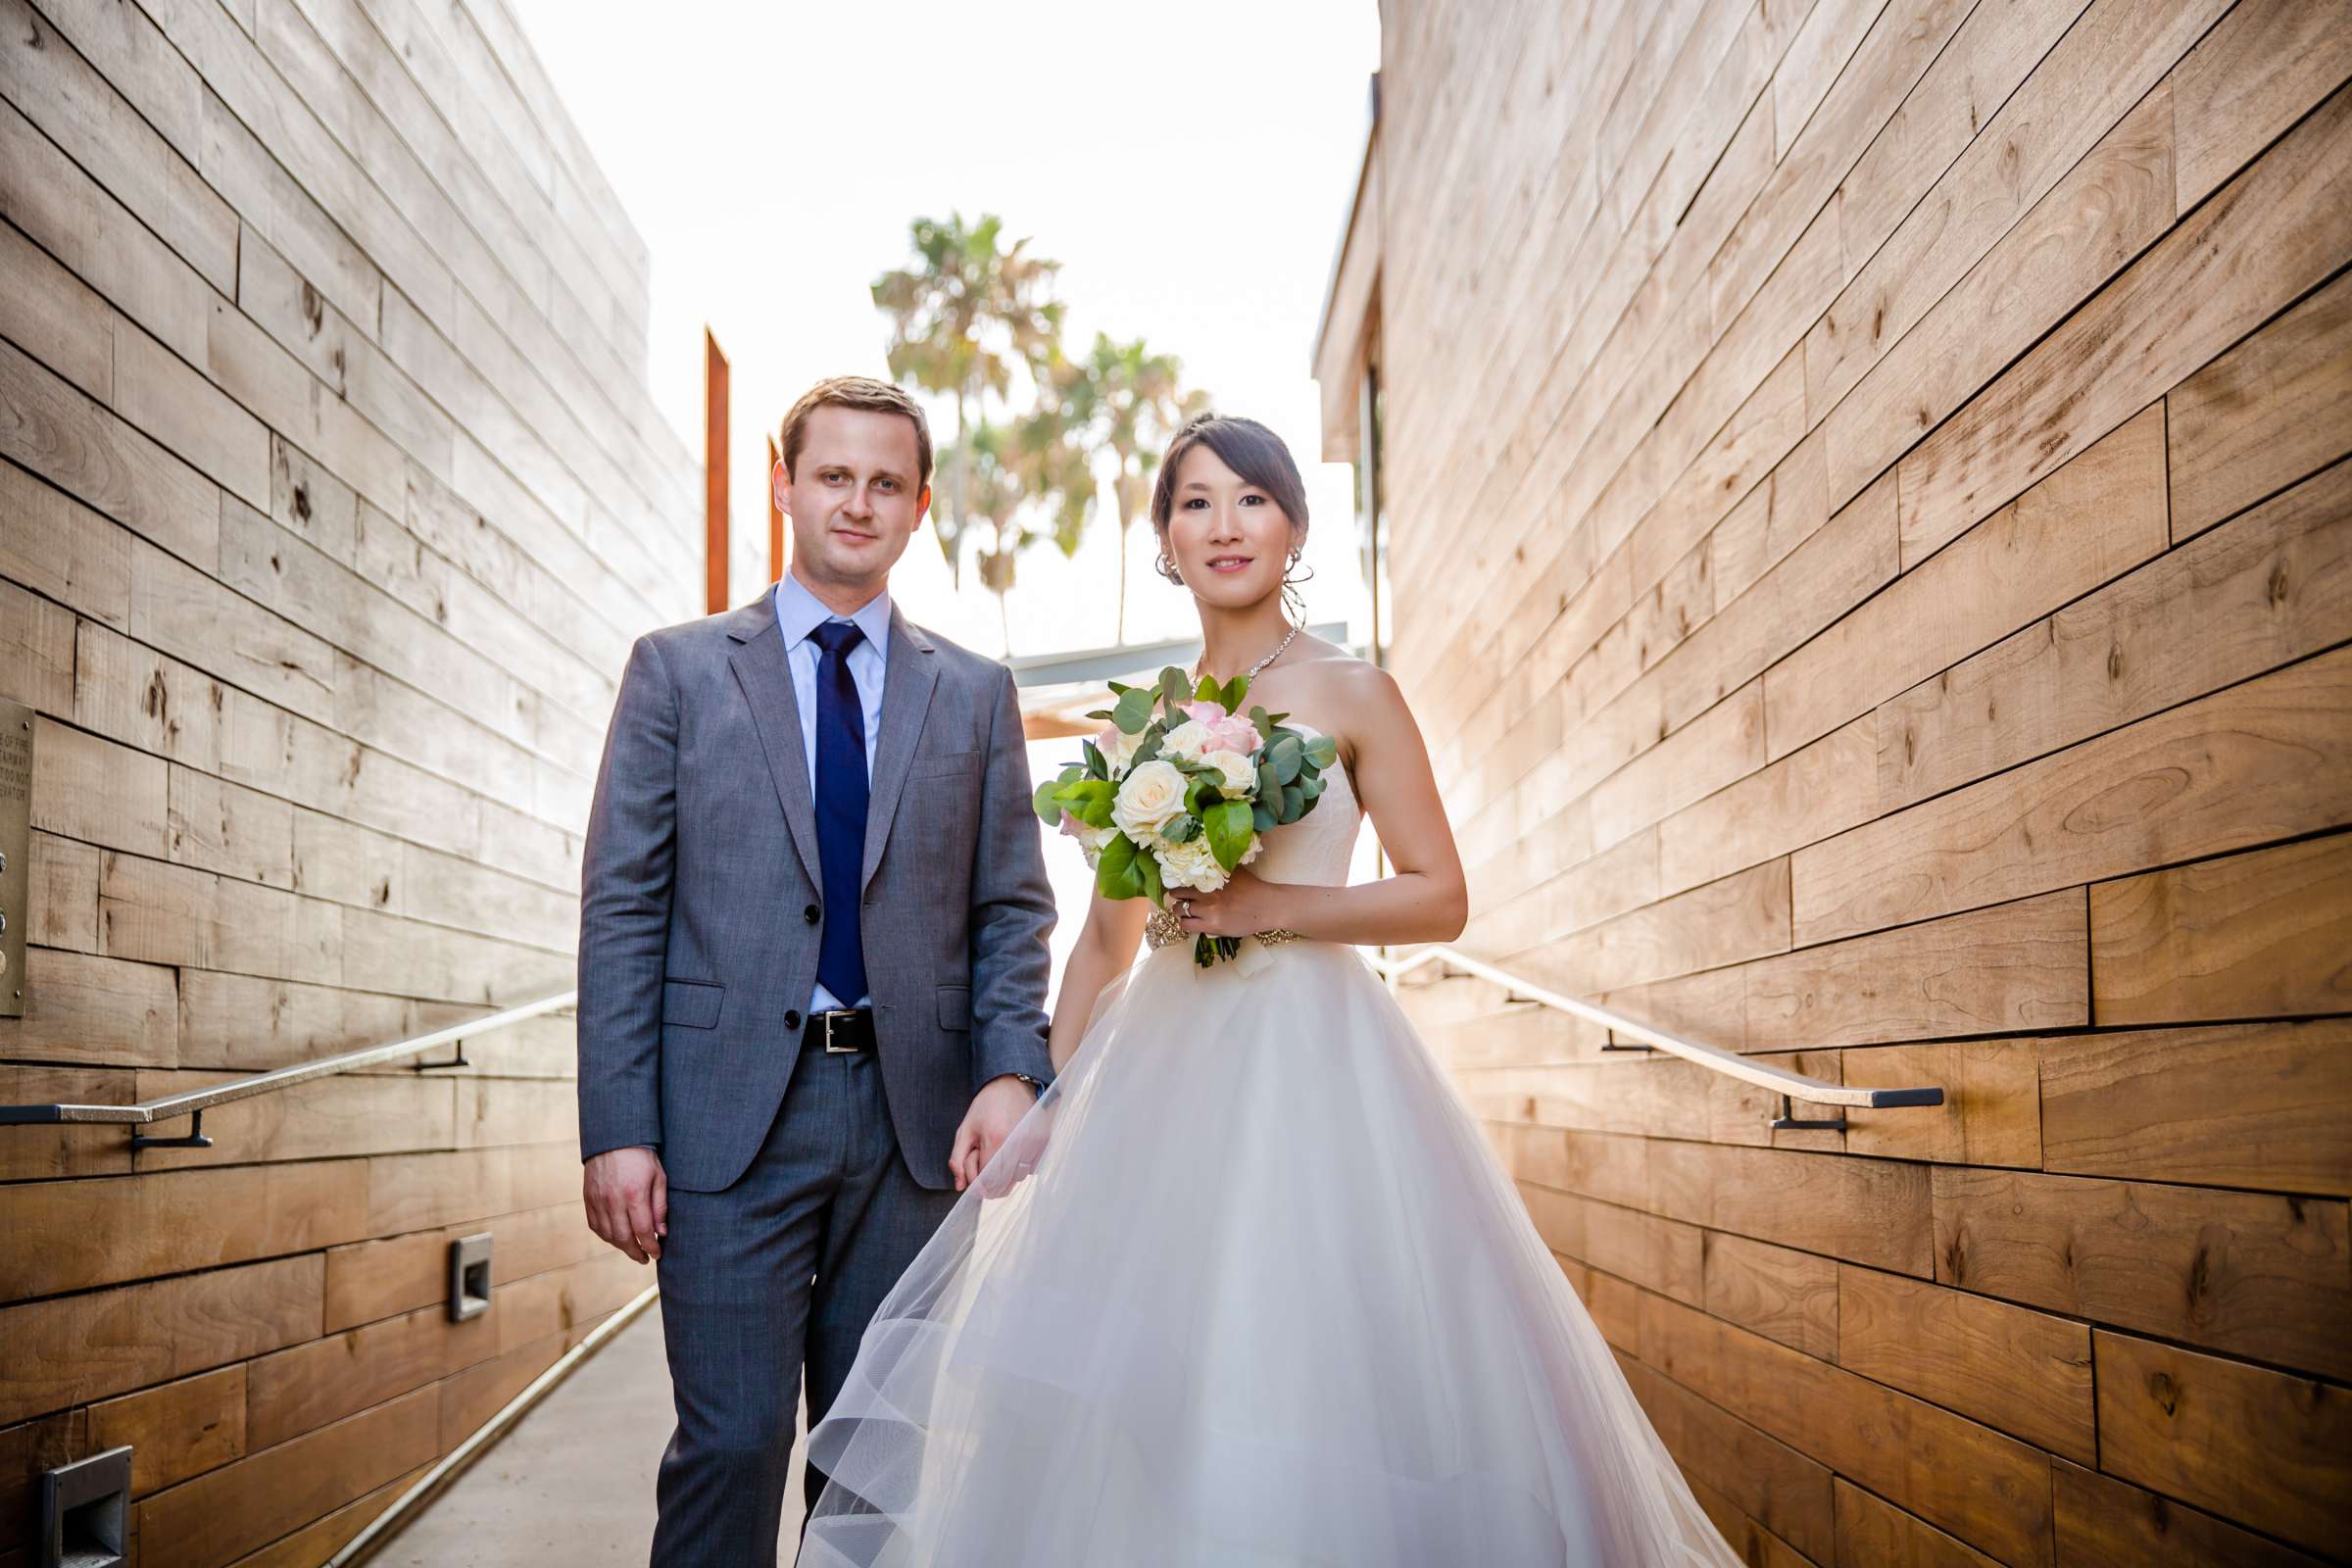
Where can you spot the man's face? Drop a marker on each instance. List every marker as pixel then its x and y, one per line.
pixel 854 496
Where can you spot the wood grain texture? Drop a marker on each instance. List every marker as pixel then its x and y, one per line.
pixel 2263 934
pixel 2105 1523
pixel 1934 484
pixel 72 1350
pixel 2260 1105
pixel 1873 1531
pixel 1990 1490
pixel 1783 1295
pixel 2243 1273
pixel 2266 588
pixel 1992 1111
pixel 2026 1373
pixel 2254 1444
pixel 2259 243
pixel 176 1429
pixel 2254 762
pixel 1763 1477
pixel 2277 407
pixel 227 1512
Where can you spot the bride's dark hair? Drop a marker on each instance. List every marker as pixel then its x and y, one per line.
pixel 1252 450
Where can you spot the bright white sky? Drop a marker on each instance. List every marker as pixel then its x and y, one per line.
pixel 1191 166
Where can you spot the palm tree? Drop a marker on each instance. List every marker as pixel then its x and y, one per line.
pixel 1034 478
pixel 964 317
pixel 1137 405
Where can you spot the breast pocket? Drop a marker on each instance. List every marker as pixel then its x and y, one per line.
pixel 951 765
pixel 691 1003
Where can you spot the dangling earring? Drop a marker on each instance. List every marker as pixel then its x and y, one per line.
pixel 1166 567
pixel 1292 600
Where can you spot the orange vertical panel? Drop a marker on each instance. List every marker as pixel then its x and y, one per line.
pixel 714 474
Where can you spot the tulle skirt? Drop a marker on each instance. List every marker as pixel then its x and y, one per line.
pixel 1244 1287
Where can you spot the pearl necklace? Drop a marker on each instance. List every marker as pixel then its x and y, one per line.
pixel 1252 672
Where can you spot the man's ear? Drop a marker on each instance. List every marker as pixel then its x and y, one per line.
pixel 922 504
pixel 780 478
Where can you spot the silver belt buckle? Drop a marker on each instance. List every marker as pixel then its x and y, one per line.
pixel 832 1049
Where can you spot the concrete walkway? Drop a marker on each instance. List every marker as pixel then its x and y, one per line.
pixel 573 1481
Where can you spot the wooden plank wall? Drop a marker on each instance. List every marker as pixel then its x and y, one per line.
pixel 1873 546
pixel 330 499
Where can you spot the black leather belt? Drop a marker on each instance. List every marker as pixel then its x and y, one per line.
pixel 840 1031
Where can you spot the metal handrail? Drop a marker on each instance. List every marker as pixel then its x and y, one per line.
pixel 1787 1084
pixel 196 1101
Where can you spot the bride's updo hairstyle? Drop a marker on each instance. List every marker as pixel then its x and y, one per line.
pixel 1253 452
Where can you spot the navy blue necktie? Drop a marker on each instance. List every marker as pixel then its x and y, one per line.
pixel 841 794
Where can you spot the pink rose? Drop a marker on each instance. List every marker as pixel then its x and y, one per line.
pixel 1227 732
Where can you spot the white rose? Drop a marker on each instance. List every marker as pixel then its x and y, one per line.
pixel 1148 797
pixel 1187 740
pixel 1190 866
pixel 1240 775
pixel 1117 747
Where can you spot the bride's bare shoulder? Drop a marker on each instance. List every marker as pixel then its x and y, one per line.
pixel 1348 696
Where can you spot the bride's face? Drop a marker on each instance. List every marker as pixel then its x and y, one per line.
pixel 1228 539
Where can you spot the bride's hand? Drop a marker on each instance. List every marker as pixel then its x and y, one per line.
pixel 1242 907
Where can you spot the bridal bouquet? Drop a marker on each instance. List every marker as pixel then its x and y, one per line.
pixel 1176 790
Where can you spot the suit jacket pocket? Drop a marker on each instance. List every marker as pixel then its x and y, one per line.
pixel 955 1007
pixel 691 1003
pixel 952 765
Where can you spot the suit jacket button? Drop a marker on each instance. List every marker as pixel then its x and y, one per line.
pixel 809 914
pixel 792 1018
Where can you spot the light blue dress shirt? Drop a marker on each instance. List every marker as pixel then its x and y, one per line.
pixel 798 613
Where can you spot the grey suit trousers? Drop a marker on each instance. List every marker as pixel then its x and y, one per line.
pixel 829 1198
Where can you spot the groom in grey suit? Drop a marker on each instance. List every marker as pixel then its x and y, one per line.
pixel 812 964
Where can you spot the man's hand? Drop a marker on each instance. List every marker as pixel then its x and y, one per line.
pixel 999 1106
pixel 627 1194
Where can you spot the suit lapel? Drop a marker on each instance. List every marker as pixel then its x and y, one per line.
pixel 765 673
pixel 908 674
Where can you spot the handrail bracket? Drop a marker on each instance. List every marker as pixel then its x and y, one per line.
pixel 1789 1121
pixel 194 1138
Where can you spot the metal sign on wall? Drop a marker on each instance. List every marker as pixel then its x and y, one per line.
pixel 15 844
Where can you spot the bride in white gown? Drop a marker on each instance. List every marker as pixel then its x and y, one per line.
pixel 1247 1285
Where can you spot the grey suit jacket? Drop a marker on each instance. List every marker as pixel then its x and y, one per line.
pixel 700 899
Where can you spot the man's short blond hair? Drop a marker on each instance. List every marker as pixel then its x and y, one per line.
pixel 855 392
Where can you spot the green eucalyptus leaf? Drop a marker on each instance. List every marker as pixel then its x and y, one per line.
pixel 1229 825
pixel 1148 751
pixel 1181 828
pixel 1133 712
pixel 1174 688
pixel 1116 873
pixel 1265 724
pixel 1268 786
pixel 1322 751
pixel 1285 756
pixel 1262 818
pixel 1044 805
pixel 1294 803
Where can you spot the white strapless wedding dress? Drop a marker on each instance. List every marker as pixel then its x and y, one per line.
pixel 1259 1295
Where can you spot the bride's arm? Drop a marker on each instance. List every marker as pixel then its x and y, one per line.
pixel 1114 928
pixel 1427 898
